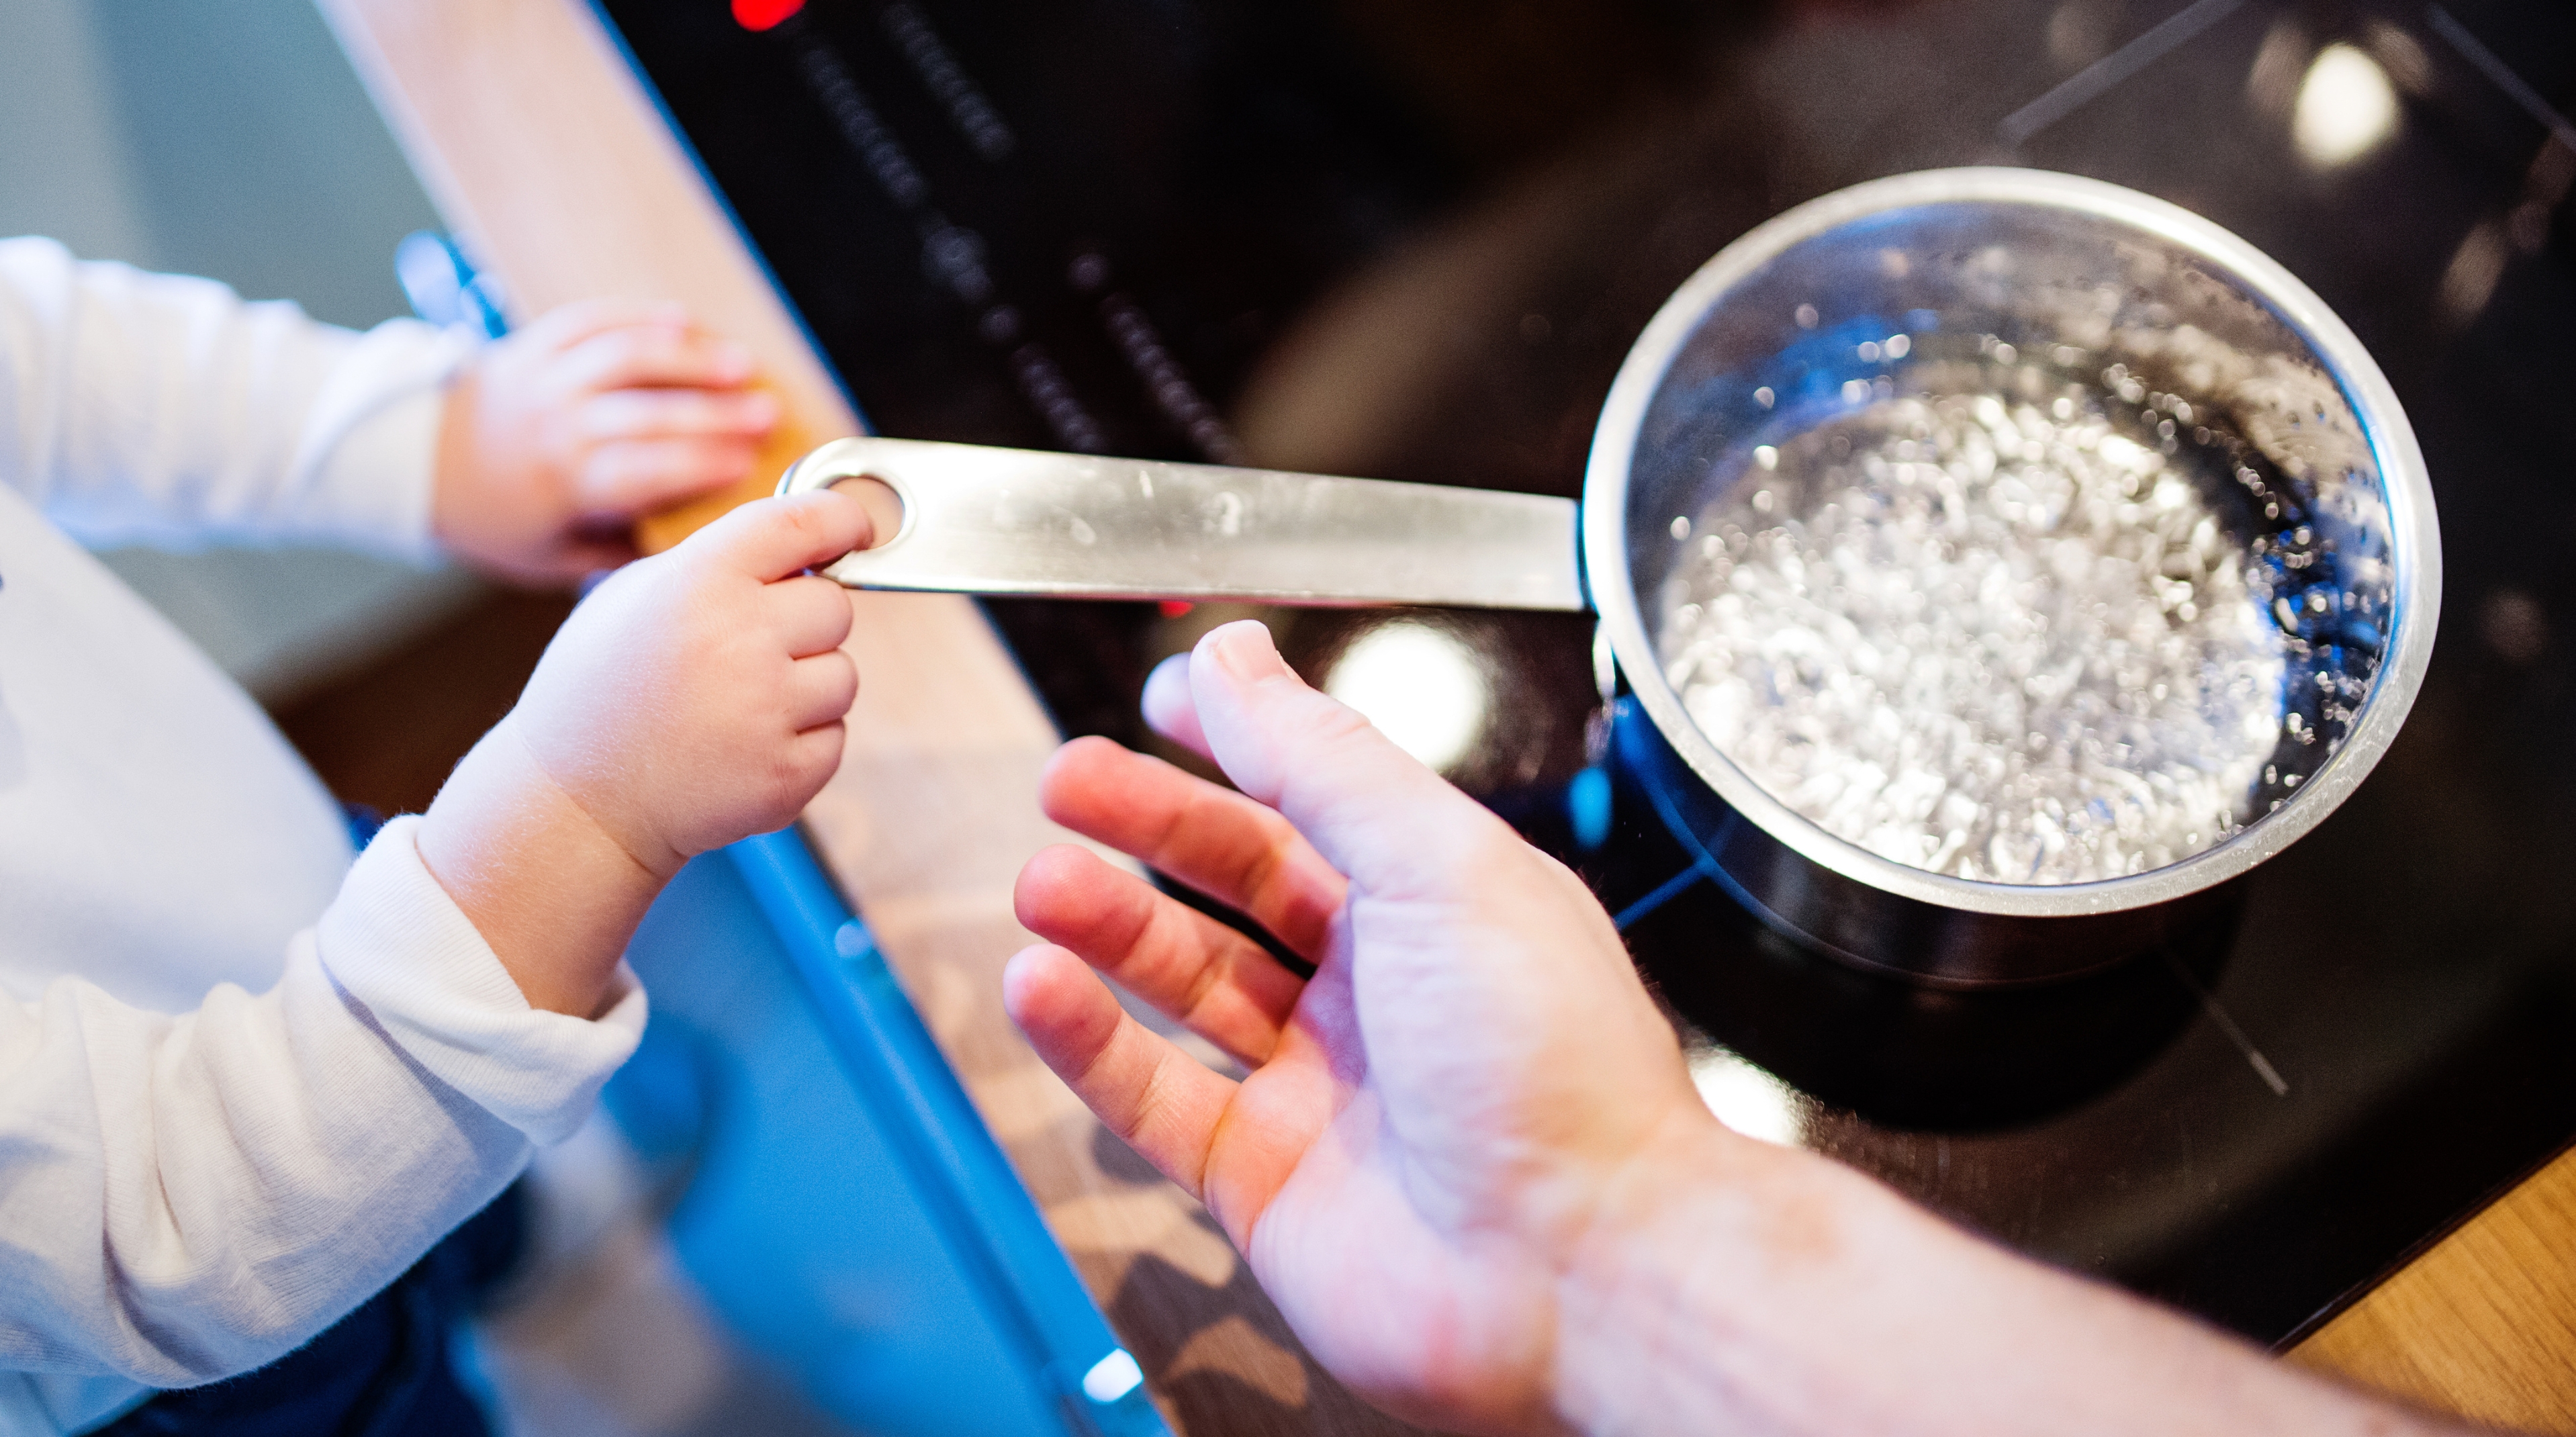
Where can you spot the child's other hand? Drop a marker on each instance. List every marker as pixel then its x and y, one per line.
pixel 695 698
pixel 558 437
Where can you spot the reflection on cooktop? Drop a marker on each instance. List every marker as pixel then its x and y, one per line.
pixel 1886 1047
pixel 1413 238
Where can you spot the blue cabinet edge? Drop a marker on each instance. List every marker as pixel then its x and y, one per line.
pixel 984 1213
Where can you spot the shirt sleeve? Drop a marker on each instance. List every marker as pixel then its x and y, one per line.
pixel 153 408
pixel 185 1198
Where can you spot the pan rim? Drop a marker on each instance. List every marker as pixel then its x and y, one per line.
pixel 2414 534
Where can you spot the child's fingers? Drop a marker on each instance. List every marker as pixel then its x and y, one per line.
pixel 1152 1095
pixel 820 690
pixel 1214 981
pixel 811 614
pixel 586 556
pixel 773 538
pixel 677 414
pixel 636 476
pixel 650 355
pixel 813 756
pixel 569 324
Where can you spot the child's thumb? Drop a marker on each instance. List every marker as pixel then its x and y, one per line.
pixel 773 538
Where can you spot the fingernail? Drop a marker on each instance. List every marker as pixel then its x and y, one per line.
pixel 759 410
pixel 1244 650
pixel 1168 687
pixel 733 359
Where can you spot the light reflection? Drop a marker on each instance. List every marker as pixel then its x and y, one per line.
pixel 1746 1098
pixel 2469 280
pixel 2345 108
pixel 2398 54
pixel 2273 83
pixel 1420 686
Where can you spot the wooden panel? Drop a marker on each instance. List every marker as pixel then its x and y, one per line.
pixel 2483 1323
pixel 544 153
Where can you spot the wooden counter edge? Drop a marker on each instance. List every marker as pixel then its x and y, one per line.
pixel 2482 1323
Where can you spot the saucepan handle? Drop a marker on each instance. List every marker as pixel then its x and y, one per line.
pixel 1015 521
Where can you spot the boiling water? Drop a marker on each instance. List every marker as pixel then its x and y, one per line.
pixel 2013 632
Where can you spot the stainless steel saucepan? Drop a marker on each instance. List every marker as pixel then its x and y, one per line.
pixel 1994 297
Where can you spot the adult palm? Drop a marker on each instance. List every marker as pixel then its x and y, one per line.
pixel 1434 1126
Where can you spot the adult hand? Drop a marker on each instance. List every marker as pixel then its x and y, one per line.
pixel 1439 1124
pixel 694 698
pixel 1468 1163
pixel 557 437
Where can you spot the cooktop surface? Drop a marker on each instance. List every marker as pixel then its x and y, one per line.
pixel 1413 239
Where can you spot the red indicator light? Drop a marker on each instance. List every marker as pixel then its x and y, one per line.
pixel 764 14
pixel 1175 608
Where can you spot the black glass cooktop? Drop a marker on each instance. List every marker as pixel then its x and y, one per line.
pixel 1413 238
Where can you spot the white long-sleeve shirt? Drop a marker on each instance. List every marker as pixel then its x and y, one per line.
pixel 243 1083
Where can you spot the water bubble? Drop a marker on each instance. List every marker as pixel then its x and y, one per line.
pixel 1958 628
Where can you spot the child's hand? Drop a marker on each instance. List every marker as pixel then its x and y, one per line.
pixel 694 698
pixel 556 438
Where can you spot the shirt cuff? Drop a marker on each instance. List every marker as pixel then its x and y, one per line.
pixel 398 944
pixel 376 422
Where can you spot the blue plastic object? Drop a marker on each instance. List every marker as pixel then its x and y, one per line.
pixel 847 1212
pixel 445 287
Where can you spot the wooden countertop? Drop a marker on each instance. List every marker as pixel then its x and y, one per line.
pixel 2483 1323
pixel 544 153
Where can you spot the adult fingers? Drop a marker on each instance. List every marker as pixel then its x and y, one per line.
pixel 820 690
pixel 1222 844
pixel 772 538
pixel 678 414
pixel 656 355
pixel 1213 980
pixel 1169 708
pixel 636 476
pixel 1151 1094
pixel 1370 809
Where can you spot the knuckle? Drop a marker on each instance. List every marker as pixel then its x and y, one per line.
pixel 605 416
pixel 802 518
pixel 844 689
pixel 606 469
pixel 622 348
pixel 1337 722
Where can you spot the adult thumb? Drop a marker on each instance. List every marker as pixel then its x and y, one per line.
pixel 1371 809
